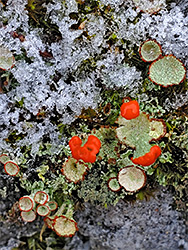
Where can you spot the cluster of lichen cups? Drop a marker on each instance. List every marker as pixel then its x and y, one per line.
pixel 164 70
pixel 39 203
pixel 59 221
pixel 36 203
pixel 135 130
pixel 131 177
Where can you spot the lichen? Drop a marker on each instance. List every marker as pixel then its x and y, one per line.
pixel 74 62
pixel 138 132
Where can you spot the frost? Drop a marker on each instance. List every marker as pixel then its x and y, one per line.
pixel 116 74
pixel 113 3
pixel 44 86
pixel 149 6
pixel 176 101
pixel 170 32
pixel 75 97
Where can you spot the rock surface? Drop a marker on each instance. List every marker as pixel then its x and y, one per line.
pixel 143 225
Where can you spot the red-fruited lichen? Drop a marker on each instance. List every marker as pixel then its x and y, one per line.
pixel 167 71
pixel 75 145
pixel 42 210
pixel 88 152
pixel 74 170
pixel 130 110
pixel 158 125
pixel 93 144
pixel 28 216
pixel 74 142
pixel 132 178
pixel 113 184
pixel 139 132
pixel 149 158
pixel 52 205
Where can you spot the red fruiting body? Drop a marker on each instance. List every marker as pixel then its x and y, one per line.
pixel 130 110
pixel 93 140
pixel 88 152
pixel 76 152
pixel 87 155
pixel 75 141
pixel 91 147
pixel 75 145
pixel 149 158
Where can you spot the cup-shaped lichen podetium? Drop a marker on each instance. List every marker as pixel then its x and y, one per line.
pixel 41 197
pixel 132 178
pixel 52 205
pixel 28 216
pixel 64 226
pixel 26 203
pixel 139 132
pixel 11 168
pixel 167 71
pixel 6 59
pixel 42 210
pixel 150 50
pixel 113 184
pixel 4 158
pixel 74 170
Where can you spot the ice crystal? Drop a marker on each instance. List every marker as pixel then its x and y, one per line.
pixel 86 54
pixel 170 32
pixel 115 73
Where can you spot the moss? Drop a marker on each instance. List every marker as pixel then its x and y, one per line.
pixel 88 6
pixel 37 18
pixel 14 136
